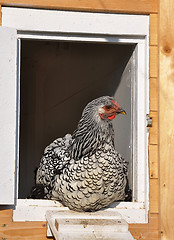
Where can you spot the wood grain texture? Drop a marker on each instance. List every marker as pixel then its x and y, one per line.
pixel 148 231
pixel 132 6
pixel 5 216
pixel 153 61
pixel 153 94
pixel 153 30
pixel 153 137
pixel 154 196
pixel 153 161
pixel 20 230
pixel 166 118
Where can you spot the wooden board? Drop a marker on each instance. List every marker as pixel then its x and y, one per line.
pixel 20 230
pixel 154 196
pixel 153 161
pixel 133 6
pixel 166 118
pixel 146 231
pixel 153 138
pixel 153 30
pixel 154 94
pixel 153 61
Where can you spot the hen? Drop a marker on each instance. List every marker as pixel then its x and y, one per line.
pixel 84 171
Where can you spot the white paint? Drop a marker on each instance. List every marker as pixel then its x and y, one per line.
pixel 35 210
pixel 96 27
pixel 18 114
pixel 78 37
pixel 25 19
pixel 103 224
pixel 8 50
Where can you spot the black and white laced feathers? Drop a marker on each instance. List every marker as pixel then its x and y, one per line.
pixel 84 171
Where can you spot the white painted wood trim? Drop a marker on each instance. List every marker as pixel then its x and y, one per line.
pixel 35 210
pixel 74 22
pixel 142 158
pixel 95 27
pixel 103 224
pixel 8 51
pixel 78 37
pixel 18 115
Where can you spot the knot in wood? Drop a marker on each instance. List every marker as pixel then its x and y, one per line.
pixel 167 50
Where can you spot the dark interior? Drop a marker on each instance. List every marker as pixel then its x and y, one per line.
pixel 57 80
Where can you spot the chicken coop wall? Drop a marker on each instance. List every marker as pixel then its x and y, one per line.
pixel 11 230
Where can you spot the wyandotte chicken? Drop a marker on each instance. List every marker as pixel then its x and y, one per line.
pixel 83 170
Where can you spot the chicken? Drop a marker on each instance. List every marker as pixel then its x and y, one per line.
pixel 83 170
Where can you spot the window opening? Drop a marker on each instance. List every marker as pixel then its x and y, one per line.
pixel 58 79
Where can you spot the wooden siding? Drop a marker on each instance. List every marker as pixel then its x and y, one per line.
pixel 124 6
pixel 20 230
pixel 154 133
pixel 166 118
pixel 153 226
pixel 150 231
pixel 146 231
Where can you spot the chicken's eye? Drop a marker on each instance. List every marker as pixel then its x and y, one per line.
pixel 108 107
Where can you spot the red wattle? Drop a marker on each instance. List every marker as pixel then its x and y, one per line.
pixel 112 117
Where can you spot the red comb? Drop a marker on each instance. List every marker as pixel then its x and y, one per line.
pixel 116 104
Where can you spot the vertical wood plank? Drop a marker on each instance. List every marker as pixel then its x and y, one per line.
pixel 153 61
pixel 154 196
pixel 153 94
pixel 153 161
pixel 153 29
pixel 166 118
pixel 153 137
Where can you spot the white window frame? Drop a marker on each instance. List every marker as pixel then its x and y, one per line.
pixel 93 27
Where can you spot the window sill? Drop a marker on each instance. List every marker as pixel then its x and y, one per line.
pixel 35 210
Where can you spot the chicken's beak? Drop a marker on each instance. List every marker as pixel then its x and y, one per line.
pixel 120 110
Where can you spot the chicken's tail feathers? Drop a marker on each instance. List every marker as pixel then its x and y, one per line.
pixel 128 192
pixel 37 192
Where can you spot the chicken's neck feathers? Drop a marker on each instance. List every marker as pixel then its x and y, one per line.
pixel 91 133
